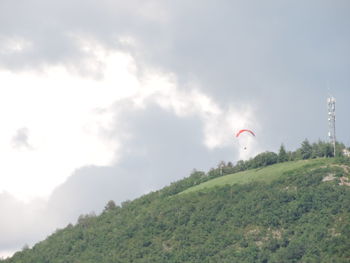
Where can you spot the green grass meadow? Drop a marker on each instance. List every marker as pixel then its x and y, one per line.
pixel 265 174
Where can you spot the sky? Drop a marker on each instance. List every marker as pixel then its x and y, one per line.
pixel 109 100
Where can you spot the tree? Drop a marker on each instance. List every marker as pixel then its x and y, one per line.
pixel 305 150
pixel 241 166
pixel 339 147
pixel 110 206
pixel 326 149
pixel 282 154
pixel 264 159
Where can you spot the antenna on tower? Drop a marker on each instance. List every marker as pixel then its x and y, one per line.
pixel 331 121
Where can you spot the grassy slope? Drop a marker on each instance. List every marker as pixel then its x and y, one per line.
pixel 266 174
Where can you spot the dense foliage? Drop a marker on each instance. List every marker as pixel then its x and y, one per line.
pixel 300 217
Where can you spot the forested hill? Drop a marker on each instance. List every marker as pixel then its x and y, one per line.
pixel 296 211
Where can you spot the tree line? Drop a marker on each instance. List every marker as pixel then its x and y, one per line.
pixel 306 151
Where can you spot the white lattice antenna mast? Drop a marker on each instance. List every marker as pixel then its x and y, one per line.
pixel 331 121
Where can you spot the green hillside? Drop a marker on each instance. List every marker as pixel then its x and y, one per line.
pixel 288 212
pixel 266 174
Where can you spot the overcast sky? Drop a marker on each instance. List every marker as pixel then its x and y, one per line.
pixel 108 100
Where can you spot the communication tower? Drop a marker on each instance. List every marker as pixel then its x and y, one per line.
pixel 331 121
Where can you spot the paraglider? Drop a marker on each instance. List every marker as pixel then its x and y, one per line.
pixel 242 131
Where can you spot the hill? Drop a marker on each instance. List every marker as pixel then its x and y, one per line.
pixel 288 212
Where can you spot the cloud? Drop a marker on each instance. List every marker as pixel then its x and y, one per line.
pixel 270 55
pixel 64 118
pixel 45 33
pixel 21 139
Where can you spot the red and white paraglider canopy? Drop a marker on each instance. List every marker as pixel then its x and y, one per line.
pixel 244 130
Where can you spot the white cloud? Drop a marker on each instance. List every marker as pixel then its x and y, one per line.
pixel 65 115
pixel 13 45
